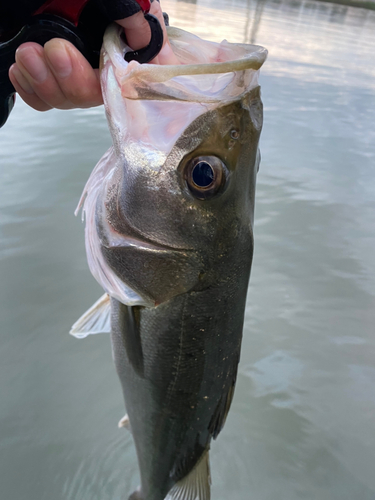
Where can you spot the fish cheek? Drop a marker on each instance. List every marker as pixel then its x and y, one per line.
pixel 157 275
pixel 154 210
pixel 155 272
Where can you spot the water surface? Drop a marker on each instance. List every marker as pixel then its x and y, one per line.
pixel 302 424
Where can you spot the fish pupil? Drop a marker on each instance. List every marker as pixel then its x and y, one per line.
pixel 203 174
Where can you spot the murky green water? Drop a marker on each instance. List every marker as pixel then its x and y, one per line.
pixel 302 425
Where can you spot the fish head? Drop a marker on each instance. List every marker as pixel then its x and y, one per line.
pixel 201 196
pixel 174 212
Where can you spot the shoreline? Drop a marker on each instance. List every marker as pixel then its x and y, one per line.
pixel 363 4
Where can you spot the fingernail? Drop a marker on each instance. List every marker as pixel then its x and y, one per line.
pixel 21 80
pixel 59 58
pixel 33 63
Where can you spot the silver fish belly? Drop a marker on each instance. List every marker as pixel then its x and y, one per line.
pixel 169 235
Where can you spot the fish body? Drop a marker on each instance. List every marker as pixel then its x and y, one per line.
pixel 169 235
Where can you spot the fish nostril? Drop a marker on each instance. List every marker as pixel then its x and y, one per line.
pixel 234 134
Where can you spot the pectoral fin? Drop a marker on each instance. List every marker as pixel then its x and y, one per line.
pixel 97 319
pixel 124 422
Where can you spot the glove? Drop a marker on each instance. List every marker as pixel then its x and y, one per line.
pixel 119 9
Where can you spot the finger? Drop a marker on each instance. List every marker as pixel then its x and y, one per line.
pixel 137 30
pixel 166 55
pixel 59 75
pixel 77 80
pixel 35 71
pixel 25 91
pixel 138 34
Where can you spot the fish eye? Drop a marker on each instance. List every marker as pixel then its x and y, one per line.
pixel 204 176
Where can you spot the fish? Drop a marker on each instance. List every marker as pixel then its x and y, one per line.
pixel 169 215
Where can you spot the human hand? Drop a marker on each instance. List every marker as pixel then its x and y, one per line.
pixel 58 76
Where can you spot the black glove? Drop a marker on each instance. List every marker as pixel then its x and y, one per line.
pixel 14 13
pixel 119 9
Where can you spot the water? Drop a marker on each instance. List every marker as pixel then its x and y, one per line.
pixel 302 424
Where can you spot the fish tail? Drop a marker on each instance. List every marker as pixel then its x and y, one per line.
pixel 196 485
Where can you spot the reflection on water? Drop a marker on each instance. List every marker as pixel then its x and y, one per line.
pixel 255 22
pixel 302 423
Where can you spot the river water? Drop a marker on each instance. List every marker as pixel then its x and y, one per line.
pixel 302 424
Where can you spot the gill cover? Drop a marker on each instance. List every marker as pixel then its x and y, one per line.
pixel 148 108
